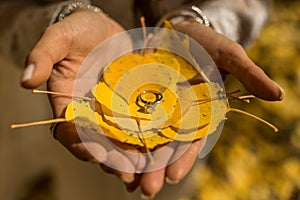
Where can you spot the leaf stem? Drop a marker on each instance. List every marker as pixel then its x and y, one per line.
pixel 38 123
pixel 60 94
pixel 255 117
pixel 142 138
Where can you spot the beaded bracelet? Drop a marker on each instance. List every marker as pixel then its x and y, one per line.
pixel 68 9
pixel 186 13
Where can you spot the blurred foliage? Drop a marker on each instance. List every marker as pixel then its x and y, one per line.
pixel 250 161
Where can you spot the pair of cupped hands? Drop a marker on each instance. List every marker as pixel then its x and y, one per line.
pixel 59 53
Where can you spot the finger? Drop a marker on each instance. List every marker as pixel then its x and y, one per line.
pixel 134 155
pixel 231 57
pixel 97 151
pixel 153 180
pixel 137 159
pixel 161 157
pixel 53 46
pixel 126 177
pixel 116 162
pixel 151 183
pixel 123 167
pixel 88 151
pixel 131 187
pixel 177 170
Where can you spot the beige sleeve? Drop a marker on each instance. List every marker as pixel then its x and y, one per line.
pixel 24 26
pixel 239 20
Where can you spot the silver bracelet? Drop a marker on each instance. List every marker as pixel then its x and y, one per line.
pixel 201 18
pixel 187 13
pixel 68 9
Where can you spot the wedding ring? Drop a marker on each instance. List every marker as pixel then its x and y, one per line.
pixel 149 99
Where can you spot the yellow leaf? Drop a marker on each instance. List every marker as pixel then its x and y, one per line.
pixel 203 117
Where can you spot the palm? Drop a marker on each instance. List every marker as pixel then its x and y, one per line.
pixel 80 33
pixel 58 57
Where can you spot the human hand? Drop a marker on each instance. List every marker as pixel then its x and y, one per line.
pixel 230 57
pixel 56 58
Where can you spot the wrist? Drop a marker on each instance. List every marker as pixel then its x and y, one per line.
pixel 240 22
pixel 72 7
pixel 185 15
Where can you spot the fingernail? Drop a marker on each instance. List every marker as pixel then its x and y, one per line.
pixel 282 92
pixel 28 72
pixel 171 182
pixel 127 178
pixel 146 197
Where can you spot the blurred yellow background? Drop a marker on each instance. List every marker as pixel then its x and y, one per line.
pixel 250 161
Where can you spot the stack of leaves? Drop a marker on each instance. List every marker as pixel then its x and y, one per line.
pixel 185 112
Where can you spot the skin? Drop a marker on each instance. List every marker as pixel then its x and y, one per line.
pixel 63 47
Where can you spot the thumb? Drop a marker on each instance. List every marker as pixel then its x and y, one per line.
pixel 253 78
pixel 231 57
pixel 52 47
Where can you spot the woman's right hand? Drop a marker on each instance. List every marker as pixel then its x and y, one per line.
pixel 56 59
